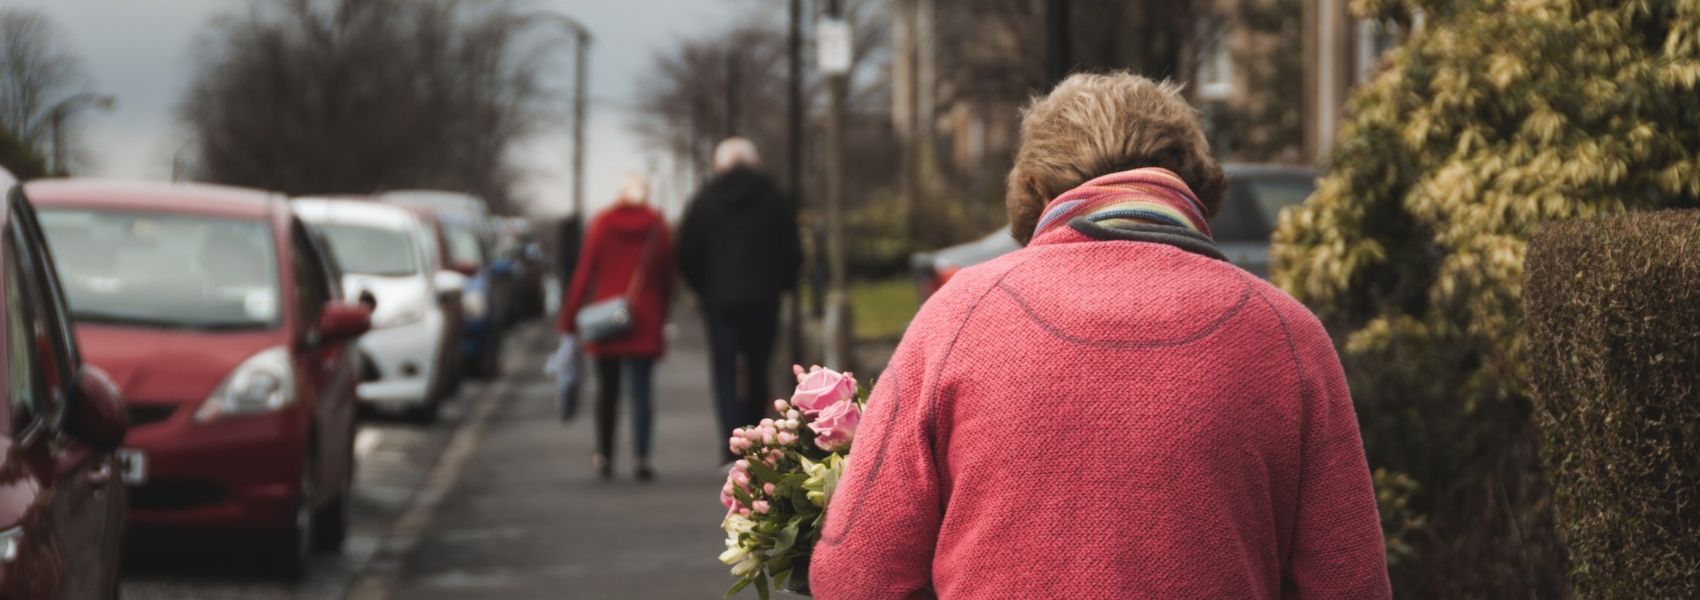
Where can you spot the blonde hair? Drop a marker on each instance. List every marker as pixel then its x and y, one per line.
pixel 1097 124
pixel 634 189
pixel 736 152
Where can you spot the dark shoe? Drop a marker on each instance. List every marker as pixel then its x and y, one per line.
pixel 644 473
pixel 600 464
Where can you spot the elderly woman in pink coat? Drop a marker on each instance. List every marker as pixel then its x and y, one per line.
pixel 1114 411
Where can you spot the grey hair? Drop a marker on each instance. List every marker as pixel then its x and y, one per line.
pixel 736 152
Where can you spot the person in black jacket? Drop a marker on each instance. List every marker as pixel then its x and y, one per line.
pixel 738 250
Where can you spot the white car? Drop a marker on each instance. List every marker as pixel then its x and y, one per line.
pixel 390 254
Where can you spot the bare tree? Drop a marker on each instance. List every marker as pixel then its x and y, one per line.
pixel 329 96
pixel 36 71
pixel 735 82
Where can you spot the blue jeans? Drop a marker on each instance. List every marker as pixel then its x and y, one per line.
pixel 639 373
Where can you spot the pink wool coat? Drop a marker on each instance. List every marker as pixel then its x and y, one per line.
pixel 1107 413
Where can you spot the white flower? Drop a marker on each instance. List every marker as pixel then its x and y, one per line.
pixel 747 566
pixel 734 553
pixel 735 525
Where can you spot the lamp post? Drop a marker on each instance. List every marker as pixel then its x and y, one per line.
pixel 56 123
pixel 836 58
pixel 581 81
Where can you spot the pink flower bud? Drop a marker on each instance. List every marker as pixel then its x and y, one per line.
pixel 761 506
pixel 744 511
pixel 741 479
pixel 787 438
pixel 768 488
pixel 781 405
pixel 767 423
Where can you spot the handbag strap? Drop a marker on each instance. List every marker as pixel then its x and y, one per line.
pixel 643 262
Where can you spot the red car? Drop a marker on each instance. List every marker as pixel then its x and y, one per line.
pixel 220 316
pixel 61 502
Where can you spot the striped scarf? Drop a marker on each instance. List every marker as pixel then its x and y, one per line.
pixel 1148 195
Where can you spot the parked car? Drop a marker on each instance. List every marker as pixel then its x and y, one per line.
pixel 62 498
pixel 466 224
pixel 1256 195
pixel 388 255
pixel 1242 227
pixel 516 242
pixel 221 318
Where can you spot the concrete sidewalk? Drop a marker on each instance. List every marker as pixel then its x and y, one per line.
pixel 527 518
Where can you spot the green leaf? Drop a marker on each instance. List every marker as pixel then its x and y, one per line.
pixel 742 496
pixel 764 473
pixel 780 575
pixel 761 585
pixel 738 587
pixel 787 538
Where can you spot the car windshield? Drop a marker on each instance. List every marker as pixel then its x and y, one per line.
pixel 165 270
pixel 1254 204
pixel 463 244
pixel 372 251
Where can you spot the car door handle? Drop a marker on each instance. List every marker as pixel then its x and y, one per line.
pixel 100 475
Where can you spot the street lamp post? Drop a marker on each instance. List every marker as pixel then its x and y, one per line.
pixel 56 123
pixel 581 82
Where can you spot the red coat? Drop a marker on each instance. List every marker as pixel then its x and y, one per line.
pixel 606 265
pixel 1107 415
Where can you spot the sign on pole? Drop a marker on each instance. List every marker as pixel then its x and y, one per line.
pixel 833 41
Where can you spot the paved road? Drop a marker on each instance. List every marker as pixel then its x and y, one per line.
pixel 526 517
pixel 498 501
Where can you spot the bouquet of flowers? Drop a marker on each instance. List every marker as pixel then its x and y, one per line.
pixel 776 495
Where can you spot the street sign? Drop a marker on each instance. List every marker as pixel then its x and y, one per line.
pixel 832 39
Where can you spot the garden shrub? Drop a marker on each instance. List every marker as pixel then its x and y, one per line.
pixel 1492 119
pixel 1613 319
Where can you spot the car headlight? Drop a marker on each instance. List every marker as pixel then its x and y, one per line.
pixel 10 541
pixel 264 383
pixel 405 316
pixel 474 304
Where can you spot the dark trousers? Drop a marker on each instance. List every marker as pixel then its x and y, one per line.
pixel 638 372
pixel 741 331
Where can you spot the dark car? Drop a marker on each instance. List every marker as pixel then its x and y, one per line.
pixel 222 318
pixel 61 494
pixel 1241 228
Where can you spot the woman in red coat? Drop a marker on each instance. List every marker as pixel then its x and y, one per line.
pixel 627 252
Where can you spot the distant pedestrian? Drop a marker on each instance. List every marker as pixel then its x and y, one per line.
pixel 739 250
pixel 627 254
pixel 1114 411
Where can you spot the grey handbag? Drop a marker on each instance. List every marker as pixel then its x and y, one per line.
pixel 612 318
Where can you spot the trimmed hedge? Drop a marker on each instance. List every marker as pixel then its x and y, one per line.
pixel 1612 310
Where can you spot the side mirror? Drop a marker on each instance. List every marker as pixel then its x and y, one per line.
pixel 465 267
pixel 449 282
pixel 341 321
pixel 368 301
pixel 96 415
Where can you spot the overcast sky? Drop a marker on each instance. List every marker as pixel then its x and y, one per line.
pixel 141 52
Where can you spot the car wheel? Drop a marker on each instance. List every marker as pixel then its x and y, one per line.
pixel 295 550
pixel 426 413
pixel 330 526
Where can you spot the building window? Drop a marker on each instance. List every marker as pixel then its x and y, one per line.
pixel 1215 61
pixel 1374 40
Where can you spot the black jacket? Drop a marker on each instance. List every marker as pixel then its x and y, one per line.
pixel 738 244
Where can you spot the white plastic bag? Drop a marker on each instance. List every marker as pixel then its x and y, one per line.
pixel 563 365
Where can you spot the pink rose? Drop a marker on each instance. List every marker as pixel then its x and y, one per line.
pixel 822 388
pixel 835 427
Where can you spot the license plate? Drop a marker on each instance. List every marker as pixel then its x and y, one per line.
pixel 132 466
